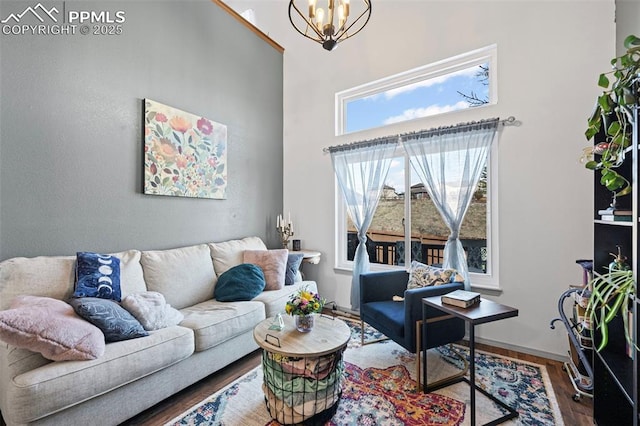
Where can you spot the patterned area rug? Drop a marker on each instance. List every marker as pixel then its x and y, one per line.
pixel 379 388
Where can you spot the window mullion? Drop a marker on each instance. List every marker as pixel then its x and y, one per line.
pixel 407 210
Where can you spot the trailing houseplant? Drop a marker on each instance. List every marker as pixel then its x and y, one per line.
pixel 612 117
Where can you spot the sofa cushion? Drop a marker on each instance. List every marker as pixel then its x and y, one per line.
pixel 50 327
pixel 242 282
pixel 59 385
pixel 215 322
pixel 47 276
pixel 152 310
pixel 97 275
pixel 273 264
pixel 131 275
pixel 275 301
pixel 228 254
pixel 112 319
pixel 183 275
pixel 293 268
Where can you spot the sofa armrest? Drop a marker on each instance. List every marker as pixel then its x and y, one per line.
pixel 380 286
pixel 15 361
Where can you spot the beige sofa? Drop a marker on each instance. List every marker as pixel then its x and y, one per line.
pixel 133 375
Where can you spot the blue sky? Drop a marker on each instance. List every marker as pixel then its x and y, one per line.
pixel 425 98
pixel 422 99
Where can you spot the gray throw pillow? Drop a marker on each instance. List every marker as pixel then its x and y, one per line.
pixel 114 321
pixel 293 265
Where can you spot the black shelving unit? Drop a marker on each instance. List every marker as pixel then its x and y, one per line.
pixel 615 382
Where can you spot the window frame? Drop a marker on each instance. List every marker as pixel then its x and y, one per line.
pixel 488 280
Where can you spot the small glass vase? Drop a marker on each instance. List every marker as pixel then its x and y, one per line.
pixel 304 323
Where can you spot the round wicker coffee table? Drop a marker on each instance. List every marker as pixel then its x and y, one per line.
pixel 302 372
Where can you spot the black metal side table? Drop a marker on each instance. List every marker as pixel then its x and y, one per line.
pixel 481 313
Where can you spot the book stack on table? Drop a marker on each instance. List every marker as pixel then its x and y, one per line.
pixel 461 298
pixel 611 215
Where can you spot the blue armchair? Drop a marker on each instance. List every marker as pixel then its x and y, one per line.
pixel 401 321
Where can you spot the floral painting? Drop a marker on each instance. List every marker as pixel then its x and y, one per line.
pixel 185 155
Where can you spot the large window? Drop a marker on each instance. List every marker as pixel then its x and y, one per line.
pixel 406 225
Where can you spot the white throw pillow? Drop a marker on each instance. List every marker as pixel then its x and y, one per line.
pixel 152 310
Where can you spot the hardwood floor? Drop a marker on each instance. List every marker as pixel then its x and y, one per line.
pixel 574 413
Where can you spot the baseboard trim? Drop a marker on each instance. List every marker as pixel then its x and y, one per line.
pixel 523 349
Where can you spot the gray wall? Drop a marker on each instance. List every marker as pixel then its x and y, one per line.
pixel 71 107
pixel 627 22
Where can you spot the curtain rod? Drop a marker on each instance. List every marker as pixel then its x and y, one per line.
pixel 509 121
pixel 360 144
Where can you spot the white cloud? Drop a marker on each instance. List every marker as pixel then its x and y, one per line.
pixel 413 113
pixel 391 93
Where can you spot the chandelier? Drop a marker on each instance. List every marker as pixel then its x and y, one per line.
pixel 332 24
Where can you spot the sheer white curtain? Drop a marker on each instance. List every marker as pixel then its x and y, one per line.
pixel 449 162
pixel 361 169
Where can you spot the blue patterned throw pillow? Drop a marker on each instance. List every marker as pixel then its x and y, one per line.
pixel 115 322
pixel 97 275
pixel 421 275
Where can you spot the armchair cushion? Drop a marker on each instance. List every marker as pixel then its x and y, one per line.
pixel 389 313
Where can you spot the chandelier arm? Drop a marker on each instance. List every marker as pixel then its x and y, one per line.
pixel 339 38
pixel 309 24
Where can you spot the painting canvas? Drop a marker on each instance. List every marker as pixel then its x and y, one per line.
pixel 185 155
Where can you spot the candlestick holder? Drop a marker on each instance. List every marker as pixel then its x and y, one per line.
pixel 286 232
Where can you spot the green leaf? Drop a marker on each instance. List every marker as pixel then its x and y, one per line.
pixel 607 177
pixel 591 165
pixel 614 128
pixel 596 116
pixel 603 81
pixel 631 41
pixel 603 101
pixel 591 132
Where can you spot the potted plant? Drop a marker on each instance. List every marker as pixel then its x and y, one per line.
pixel 612 117
pixel 611 293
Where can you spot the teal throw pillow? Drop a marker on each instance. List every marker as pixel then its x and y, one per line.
pixel 242 282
